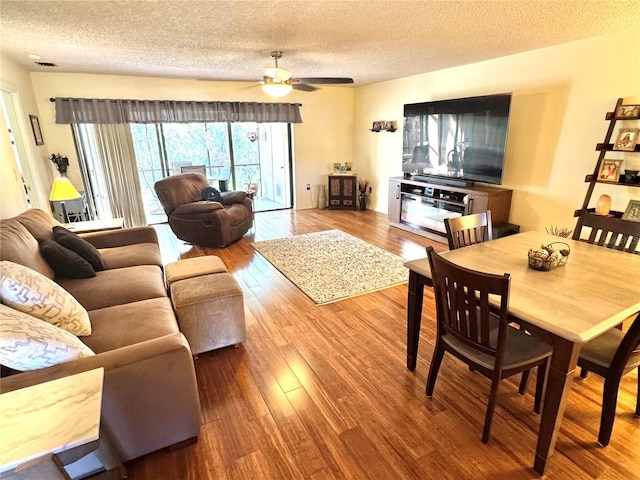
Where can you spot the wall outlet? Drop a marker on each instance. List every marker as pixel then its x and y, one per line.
pixel 308 186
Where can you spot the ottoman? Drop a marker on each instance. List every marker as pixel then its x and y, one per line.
pixel 193 267
pixel 210 311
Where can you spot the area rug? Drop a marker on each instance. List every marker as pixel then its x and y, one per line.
pixel 332 265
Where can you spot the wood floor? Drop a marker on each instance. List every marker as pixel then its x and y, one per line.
pixel 322 392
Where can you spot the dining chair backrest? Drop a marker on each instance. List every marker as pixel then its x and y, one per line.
pixel 612 232
pixel 626 357
pixel 469 229
pixel 462 302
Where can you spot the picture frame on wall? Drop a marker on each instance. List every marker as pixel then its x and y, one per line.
pixel 628 112
pixel 627 139
pixel 37 132
pixel 610 171
pixel 632 211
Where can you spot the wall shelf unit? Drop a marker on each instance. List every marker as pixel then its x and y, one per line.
pixel 592 179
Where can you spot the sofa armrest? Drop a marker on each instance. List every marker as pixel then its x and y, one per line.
pixel 122 237
pixel 150 396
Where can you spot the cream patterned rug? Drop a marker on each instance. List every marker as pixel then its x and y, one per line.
pixel 332 265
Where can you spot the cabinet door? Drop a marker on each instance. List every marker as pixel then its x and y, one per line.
pixel 394 201
pixel 349 192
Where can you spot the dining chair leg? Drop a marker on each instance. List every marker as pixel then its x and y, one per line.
pixel 543 371
pixel 638 395
pixel 608 415
pixel 436 360
pixel 584 372
pixel 486 433
pixel 523 382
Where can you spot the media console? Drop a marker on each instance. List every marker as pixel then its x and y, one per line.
pixel 421 206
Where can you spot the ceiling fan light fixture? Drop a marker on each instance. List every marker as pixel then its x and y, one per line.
pixel 275 88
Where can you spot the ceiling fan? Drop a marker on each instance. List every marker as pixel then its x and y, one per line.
pixel 278 82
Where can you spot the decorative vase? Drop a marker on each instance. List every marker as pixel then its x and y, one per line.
pixel 363 201
pixel 322 197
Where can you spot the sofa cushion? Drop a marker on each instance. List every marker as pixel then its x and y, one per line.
pixel 73 242
pixel 131 255
pixel 39 223
pixel 131 323
pixel 19 246
pixel 28 343
pixel 31 292
pixel 65 263
pixel 116 287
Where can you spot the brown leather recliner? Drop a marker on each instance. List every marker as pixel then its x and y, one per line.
pixel 204 223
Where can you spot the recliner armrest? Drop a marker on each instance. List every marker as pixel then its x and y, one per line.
pixel 197 210
pixel 235 196
pixel 122 237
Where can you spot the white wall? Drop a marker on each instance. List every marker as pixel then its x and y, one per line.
pixel 40 172
pixel 561 95
pixel 325 136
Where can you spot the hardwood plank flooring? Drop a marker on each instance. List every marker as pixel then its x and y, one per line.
pixel 322 392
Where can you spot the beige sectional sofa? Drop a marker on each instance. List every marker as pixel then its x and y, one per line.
pixel 150 396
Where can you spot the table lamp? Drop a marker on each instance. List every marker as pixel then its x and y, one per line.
pixel 61 191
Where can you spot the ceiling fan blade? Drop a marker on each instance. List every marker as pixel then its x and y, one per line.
pixel 324 80
pixel 303 87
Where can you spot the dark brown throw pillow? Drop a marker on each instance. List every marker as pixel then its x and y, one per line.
pixel 72 241
pixel 64 262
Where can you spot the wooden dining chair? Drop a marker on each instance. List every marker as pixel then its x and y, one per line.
pixel 465 329
pixel 611 232
pixel 469 229
pixel 612 355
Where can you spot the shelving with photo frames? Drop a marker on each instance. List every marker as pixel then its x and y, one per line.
pixel 624 121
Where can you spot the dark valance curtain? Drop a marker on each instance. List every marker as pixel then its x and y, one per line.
pixel 117 111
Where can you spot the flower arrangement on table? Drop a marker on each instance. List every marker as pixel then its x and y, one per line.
pixel 363 185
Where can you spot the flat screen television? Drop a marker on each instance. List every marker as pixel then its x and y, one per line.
pixel 457 141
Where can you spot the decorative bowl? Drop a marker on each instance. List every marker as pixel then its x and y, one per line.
pixel 549 256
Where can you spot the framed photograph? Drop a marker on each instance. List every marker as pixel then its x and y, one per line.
pixel 627 138
pixel 336 167
pixel 37 133
pixel 348 166
pixel 632 212
pixel 628 112
pixel 610 171
pixel 377 126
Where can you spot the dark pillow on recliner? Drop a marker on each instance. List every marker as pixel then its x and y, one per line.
pixel 73 242
pixel 64 262
pixel 210 194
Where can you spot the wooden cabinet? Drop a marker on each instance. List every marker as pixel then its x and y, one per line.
pixel 604 148
pixel 342 192
pixel 421 207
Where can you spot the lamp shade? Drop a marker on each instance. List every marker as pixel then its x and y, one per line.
pixel 276 88
pixel 63 190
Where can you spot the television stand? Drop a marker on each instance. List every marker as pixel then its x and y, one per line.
pixel 420 206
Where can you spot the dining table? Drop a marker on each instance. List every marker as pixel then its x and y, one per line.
pixel 566 306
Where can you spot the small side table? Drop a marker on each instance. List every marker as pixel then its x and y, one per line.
pixel 95 225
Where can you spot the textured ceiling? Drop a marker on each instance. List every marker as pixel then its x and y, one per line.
pixel 370 41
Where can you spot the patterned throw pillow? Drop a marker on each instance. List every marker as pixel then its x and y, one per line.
pixel 72 241
pixel 27 343
pixel 33 293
